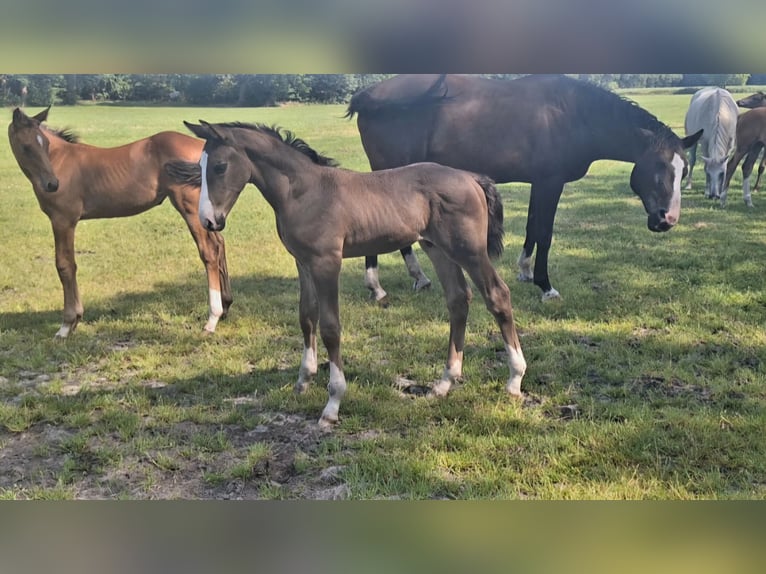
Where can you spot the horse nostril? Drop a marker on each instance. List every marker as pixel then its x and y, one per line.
pixel 52 186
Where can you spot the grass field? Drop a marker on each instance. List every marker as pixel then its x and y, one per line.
pixel 645 381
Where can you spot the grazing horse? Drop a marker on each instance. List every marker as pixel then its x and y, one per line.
pixel 545 130
pixel 756 100
pixel 714 111
pixel 325 214
pixel 74 181
pixel 751 139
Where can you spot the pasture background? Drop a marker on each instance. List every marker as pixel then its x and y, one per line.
pixel 646 381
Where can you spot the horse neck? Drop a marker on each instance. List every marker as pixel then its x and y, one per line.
pixel 278 168
pixel 623 134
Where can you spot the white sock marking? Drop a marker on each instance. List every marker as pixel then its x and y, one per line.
pixel 336 388
pixel 373 284
pixel 518 366
pixel 216 310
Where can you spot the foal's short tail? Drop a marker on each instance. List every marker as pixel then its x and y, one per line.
pixel 184 172
pixel 495 229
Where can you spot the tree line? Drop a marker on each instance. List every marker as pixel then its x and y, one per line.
pixel 254 90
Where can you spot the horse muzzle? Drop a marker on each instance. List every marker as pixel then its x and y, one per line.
pixel 660 221
pixel 215 225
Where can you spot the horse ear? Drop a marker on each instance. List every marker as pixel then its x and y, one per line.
pixel 19 116
pixel 42 116
pixel 689 141
pixel 213 130
pixel 197 130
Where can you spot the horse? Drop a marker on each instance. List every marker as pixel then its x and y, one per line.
pixel 325 214
pixel 751 139
pixel 756 100
pixel 715 111
pixel 544 130
pixel 74 181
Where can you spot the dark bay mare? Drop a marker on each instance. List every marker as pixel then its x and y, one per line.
pixel 74 181
pixel 544 130
pixel 325 214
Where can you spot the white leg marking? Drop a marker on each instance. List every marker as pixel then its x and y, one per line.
pixel 206 212
pixel 307 371
pixel 336 388
pixel 525 267
pixel 63 331
pixel 216 310
pixel 674 210
pixel 373 284
pixel 451 373
pixel 518 366
pixel 413 267
pixel 746 192
pixel 552 294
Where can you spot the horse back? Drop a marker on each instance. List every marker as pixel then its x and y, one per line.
pixel 507 130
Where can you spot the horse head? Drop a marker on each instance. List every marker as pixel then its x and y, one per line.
pixel 756 100
pixel 30 144
pixel 225 172
pixel 656 178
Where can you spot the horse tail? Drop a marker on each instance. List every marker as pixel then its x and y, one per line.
pixel 365 102
pixel 495 229
pixel 184 172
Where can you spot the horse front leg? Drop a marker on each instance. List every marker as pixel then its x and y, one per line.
pixel 309 320
pixel 63 237
pixel 223 273
pixel 546 197
pixel 213 255
pixel 760 171
pixel 525 261
pixel 325 273
pixel 413 268
pixel 747 171
pixel 692 161
pixel 457 294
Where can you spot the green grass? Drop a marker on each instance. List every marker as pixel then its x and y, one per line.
pixel 645 381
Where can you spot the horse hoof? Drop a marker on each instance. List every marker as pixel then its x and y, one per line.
pixel 421 285
pixel 326 423
pixel 301 387
pixel 551 295
pixel 524 278
pixel 208 332
pixel 383 302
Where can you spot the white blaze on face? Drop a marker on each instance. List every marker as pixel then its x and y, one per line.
pixel 205 207
pixel 40 140
pixel 674 211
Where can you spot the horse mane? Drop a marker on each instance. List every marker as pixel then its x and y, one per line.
pixel 604 103
pixel 363 102
pixel 287 137
pixel 65 134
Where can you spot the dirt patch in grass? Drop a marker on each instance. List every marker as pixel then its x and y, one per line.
pixel 279 458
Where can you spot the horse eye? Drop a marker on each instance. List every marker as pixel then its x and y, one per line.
pixel 220 168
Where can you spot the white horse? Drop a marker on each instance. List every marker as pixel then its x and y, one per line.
pixel 715 111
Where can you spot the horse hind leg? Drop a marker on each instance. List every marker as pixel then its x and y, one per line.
pixel 458 296
pixel 63 236
pixel 747 170
pixel 497 298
